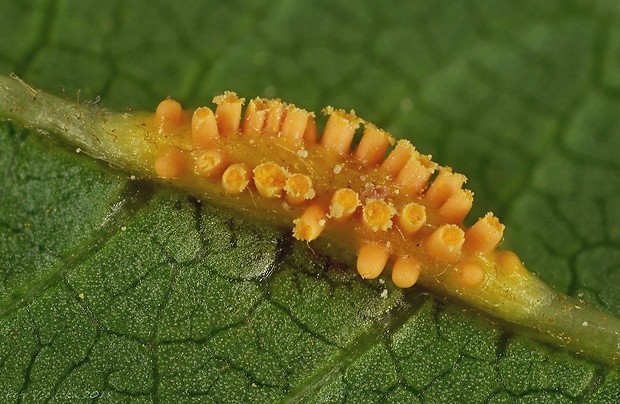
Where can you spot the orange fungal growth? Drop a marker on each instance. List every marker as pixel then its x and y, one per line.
pixel 415 174
pixel 311 223
pixel 209 163
pixel 204 128
pixel 323 188
pixel 507 262
pixel 371 260
pixel 273 120
pixel 236 178
pixel 469 274
pixel 295 123
pixel 443 187
pixel 372 147
pixel 378 214
pixel 169 115
pixel 228 112
pixel 412 217
pixel 339 130
pixel 270 179
pixel 445 243
pixel 457 206
pixel 170 163
pixel 397 159
pixel 299 189
pixel 484 235
pixel 254 118
pixel 311 135
pixel 343 204
pixel 405 272
pixel 277 147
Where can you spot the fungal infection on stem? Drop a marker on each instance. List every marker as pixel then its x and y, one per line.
pixel 382 200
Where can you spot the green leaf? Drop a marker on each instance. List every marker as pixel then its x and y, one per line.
pixel 116 288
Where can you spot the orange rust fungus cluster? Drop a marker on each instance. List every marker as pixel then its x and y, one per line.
pixel 380 201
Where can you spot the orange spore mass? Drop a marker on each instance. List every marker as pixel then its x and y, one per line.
pixel 311 223
pixel 236 178
pixel 443 187
pixel 270 180
pixel 374 201
pixel 415 174
pixel 339 131
pixel 254 119
pixel 412 218
pixel 397 159
pixel 228 113
pixel 378 214
pixel 457 206
pixel 204 128
pixel 169 115
pixel 405 272
pixel 470 274
pixel 343 204
pixel 444 244
pixel 371 260
pixel 209 163
pixel 484 235
pixel 371 149
pixel 299 188
pixel 507 262
pixel 170 163
pixel 275 113
pixel 295 123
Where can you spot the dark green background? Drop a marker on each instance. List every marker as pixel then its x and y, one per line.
pixel 186 302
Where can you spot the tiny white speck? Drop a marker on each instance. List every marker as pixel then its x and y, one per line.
pixel 124 228
pixel 363 178
pixel 388 245
pixel 337 169
pixel 286 206
pixel 580 294
pixel 381 281
pixel 322 222
pixel 132 177
pixel 585 324
pixel 396 191
pixel 78 150
pixel 384 294
pixel 251 141
pixel 302 153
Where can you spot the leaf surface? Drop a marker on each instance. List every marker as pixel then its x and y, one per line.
pixel 118 288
